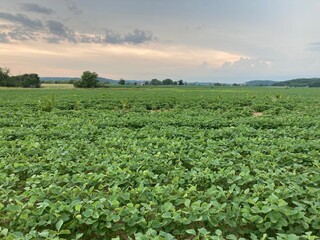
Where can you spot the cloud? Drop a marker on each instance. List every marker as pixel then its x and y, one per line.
pixel 54 40
pixel 21 34
pixel 17 33
pixel 113 37
pixel 89 38
pixel 4 38
pixel 138 37
pixel 23 28
pixel 36 8
pixel 60 32
pixel 21 19
pixel 144 61
pixel 73 7
pixel 246 68
pixel 135 37
pixel 246 63
pixel 314 46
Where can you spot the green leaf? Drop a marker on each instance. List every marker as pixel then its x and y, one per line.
pixel 191 231
pixel 79 235
pixel 13 208
pixel 115 218
pixel 88 213
pixel 115 203
pixel 185 221
pixel 218 232
pixel 232 237
pixel 151 232
pixel 155 224
pixel 65 232
pixel 4 231
pixel 166 235
pixel 59 224
pixel 78 207
pixel 266 209
pixel 19 235
pixel 32 200
pixel 282 203
pixel 167 206
pixel 203 231
pixel 44 233
pixel 166 215
pixel 187 202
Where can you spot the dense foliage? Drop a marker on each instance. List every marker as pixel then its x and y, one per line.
pixel 26 80
pixel 160 163
pixel 122 82
pixel 88 80
pixel 167 81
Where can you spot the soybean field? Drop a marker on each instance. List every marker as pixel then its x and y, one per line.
pixel 160 163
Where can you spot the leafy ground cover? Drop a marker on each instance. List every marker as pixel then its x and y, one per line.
pixel 160 163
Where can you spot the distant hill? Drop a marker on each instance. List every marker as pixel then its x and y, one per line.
pixel 107 80
pixel 260 83
pixel 300 82
pixel 57 79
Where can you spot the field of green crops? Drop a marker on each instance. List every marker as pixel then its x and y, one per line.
pixel 160 163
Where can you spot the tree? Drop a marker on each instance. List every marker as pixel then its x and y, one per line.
pixel 167 82
pixel 88 80
pixel 180 82
pixel 122 82
pixel 4 76
pixel 26 80
pixel 31 80
pixel 155 82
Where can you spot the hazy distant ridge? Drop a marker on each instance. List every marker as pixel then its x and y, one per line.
pixel 300 82
pixel 260 83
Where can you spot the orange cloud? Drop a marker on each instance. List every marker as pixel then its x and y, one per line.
pixel 129 61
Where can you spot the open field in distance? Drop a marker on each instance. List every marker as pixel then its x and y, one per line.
pixel 57 86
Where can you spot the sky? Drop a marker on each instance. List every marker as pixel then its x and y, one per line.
pixel 223 41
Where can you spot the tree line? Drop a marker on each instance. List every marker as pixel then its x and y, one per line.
pixel 167 81
pixel 26 80
pixel 156 82
pixel 90 80
pixel 87 80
